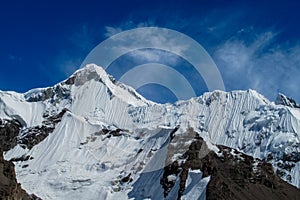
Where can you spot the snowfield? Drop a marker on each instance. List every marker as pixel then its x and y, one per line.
pixel 78 161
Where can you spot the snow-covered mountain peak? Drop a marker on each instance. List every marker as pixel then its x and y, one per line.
pixel 220 95
pixel 87 77
pixel 90 92
pixel 286 101
pixel 90 126
pixel 93 72
pixel 89 72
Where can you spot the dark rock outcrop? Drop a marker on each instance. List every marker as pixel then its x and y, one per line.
pixel 31 136
pixel 11 135
pixel 54 94
pixel 286 101
pixel 9 188
pixel 235 175
pixel 9 131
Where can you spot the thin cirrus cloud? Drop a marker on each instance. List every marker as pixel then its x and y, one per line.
pixel 261 64
pixel 155 40
pixel 247 52
pixel 249 59
pixel 152 38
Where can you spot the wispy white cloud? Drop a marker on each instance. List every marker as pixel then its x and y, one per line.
pixel 260 65
pixel 247 56
pixel 149 38
pixel 145 56
pixel 112 30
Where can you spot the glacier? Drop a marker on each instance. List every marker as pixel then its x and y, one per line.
pixel 77 161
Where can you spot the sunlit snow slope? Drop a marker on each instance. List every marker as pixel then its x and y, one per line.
pixel 110 137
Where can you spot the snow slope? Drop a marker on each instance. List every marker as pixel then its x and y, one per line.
pixel 79 161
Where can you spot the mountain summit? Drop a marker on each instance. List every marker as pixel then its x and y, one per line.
pixel 92 137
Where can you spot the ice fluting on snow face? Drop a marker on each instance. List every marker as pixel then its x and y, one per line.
pixel 243 120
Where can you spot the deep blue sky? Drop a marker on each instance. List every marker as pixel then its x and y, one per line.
pixel 255 44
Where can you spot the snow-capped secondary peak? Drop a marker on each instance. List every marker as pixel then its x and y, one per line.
pixel 87 76
pixel 90 92
pixel 91 131
pixel 122 91
pixel 87 73
pixel 286 101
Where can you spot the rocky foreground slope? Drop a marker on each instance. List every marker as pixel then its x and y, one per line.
pixel 91 137
pixel 10 189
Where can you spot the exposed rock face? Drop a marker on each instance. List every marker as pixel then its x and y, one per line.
pixel 286 101
pixel 55 94
pixel 9 131
pixel 9 138
pixel 34 135
pixel 90 155
pixel 235 175
pixel 9 188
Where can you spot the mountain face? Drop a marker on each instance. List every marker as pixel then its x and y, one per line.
pixel 91 137
pixel 9 188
